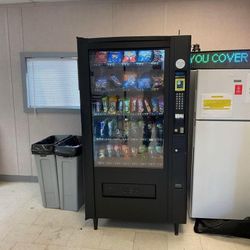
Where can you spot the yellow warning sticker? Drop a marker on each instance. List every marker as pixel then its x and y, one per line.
pixel 217 103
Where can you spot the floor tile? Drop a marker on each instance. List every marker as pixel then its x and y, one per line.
pixel 6 245
pixel 24 246
pixel 184 242
pixel 117 239
pixel 55 236
pixel 150 241
pixel 211 242
pixel 23 233
pixel 87 238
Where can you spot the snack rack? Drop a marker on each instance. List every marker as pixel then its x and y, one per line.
pixel 133 106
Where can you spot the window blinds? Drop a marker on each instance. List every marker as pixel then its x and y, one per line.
pixel 52 83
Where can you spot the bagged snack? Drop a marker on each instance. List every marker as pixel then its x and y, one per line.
pixel 133 106
pixel 118 150
pixel 140 105
pixel 115 81
pixel 148 108
pixel 97 107
pixel 112 104
pixel 130 80
pixel 101 153
pixel 105 104
pixel 144 82
pixel 134 151
pixel 120 105
pixel 109 150
pixel 129 56
pixel 126 105
pixel 101 57
pixel 154 103
pixel 144 56
pixel 103 129
pixel 125 151
pixel 157 78
pixel 115 57
pixel 161 104
pixel 101 83
pixel 158 56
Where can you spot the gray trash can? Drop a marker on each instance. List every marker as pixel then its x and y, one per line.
pixel 46 169
pixel 70 173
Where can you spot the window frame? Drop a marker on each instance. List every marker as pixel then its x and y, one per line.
pixel 27 55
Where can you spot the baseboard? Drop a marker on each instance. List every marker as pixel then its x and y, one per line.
pixel 18 178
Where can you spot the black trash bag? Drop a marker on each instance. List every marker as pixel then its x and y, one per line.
pixel 238 228
pixel 70 147
pixel 47 145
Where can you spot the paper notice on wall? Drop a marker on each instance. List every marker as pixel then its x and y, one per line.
pixel 248 89
pixel 217 105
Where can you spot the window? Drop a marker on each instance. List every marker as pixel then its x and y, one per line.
pixel 50 82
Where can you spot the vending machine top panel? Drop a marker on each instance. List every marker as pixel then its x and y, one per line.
pixel 223 59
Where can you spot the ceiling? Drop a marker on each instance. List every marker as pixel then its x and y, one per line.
pixel 31 1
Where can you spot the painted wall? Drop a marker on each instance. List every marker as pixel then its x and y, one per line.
pixel 214 24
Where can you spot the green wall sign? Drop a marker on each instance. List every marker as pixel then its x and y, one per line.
pixel 221 59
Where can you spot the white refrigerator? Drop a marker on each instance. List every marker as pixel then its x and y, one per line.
pixel 220 168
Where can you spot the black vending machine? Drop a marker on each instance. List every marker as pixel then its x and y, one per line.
pixel 134 111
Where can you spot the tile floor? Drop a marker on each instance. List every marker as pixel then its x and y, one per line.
pixel 26 225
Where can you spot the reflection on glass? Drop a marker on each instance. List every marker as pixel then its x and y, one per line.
pixel 128 108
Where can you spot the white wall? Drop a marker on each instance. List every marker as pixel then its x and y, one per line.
pixel 214 24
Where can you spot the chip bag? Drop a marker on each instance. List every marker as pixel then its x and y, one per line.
pixel 129 56
pixel 101 57
pixel 144 56
pixel 115 57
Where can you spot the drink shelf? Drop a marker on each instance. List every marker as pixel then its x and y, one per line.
pixel 127 114
pixel 128 139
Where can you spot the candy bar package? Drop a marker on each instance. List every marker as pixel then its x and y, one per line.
pixel 154 103
pixel 148 108
pixel 115 57
pixel 120 105
pixel 112 104
pixel 130 80
pixel 161 104
pixel 144 56
pixel 158 56
pixel 144 82
pixel 101 83
pixel 105 104
pixel 115 81
pixel 157 79
pixel 129 56
pixel 140 106
pixel 133 104
pixel 126 104
pixel 101 57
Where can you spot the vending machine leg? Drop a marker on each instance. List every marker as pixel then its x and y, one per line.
pixel 95 220
pixel 176 229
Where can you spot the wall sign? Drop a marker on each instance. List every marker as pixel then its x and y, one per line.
pixel 237 59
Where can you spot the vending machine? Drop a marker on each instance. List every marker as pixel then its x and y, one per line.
pixel 134 99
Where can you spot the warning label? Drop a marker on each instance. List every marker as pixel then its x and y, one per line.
pixel 216 105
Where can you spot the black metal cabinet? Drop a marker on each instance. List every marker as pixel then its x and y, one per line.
pixel 134 110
